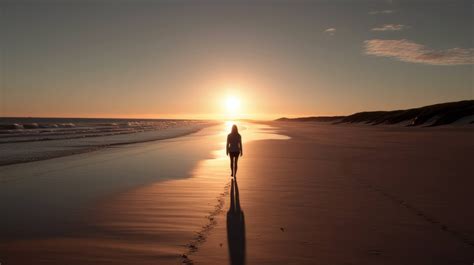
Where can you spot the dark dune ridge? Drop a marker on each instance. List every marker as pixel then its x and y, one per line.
pixel 432 115
pixel 317 118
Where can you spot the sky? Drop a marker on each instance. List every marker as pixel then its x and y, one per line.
pixel 183 59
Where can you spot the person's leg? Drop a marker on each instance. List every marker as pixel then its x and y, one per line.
pixel 235 164
pixel 231 164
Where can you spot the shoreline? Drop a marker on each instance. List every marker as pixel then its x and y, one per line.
pixel 335 194
pixel 160 196
pixel 160 135
pixel 89 149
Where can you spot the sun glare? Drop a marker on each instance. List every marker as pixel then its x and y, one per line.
pixel 232 105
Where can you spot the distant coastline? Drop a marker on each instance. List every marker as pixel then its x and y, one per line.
pixel 450 113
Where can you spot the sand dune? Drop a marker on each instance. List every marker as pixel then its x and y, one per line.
pixel 459 113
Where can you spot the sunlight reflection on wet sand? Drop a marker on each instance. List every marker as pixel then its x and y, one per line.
pixel 159 223
pixel 177 214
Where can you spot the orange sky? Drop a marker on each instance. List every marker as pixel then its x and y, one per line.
pixel 301 58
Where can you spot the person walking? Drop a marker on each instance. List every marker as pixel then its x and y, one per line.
pixel 234 149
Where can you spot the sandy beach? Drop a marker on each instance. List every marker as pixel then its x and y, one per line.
pixel 350 125
pixel 127 204
pixel 305 193
pixel 353 195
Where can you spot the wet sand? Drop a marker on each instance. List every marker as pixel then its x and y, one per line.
pixel 329 195
pixel 137 204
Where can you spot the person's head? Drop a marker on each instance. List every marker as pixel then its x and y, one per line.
pixel 234 129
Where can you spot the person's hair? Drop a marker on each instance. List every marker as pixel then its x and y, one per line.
pixel 234 130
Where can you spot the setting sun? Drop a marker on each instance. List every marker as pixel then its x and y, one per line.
pixel 138 118
pixel 232 105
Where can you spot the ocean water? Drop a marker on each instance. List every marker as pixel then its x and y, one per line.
pixel 32 139
pixel 43 129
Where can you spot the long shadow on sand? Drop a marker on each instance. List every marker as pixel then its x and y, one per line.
pixel 235 228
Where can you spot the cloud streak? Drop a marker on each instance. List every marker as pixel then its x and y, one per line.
pixel 330 31
pixel 409 51
pixel 378 12
pixel 390 27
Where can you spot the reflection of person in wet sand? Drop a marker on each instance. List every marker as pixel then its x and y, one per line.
pixel 234 149
pixel 235 228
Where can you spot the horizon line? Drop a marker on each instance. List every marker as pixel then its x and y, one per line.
pixel 222 117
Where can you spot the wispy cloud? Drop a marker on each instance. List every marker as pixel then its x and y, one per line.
pixel 377 12
pixel 409 51
pixel 330 31
pixel 391 27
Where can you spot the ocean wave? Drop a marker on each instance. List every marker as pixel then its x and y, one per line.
pixel 30 130
pixel 13 126
pixel 27 145
pixel 20 126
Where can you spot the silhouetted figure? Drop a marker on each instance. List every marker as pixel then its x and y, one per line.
pixel 234 149
pixel 235 228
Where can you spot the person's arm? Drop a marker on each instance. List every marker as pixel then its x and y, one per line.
pixel 227 146
pixel 241 147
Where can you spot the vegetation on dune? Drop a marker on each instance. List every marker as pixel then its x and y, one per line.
pixel 432 115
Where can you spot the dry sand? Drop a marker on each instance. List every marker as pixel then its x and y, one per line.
pixel 352 195
pixel 329 195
